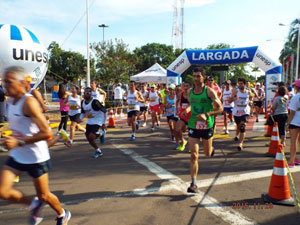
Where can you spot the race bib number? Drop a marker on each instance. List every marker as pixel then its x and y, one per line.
pixel 152 99
pixel 73 107
pixel 131 106
pixel 184 105
pixel 227 102
pixel 240 112
pixel 170 111
pixel 89 115
pixel 201 125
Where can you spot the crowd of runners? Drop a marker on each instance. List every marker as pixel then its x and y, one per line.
pixel 190 108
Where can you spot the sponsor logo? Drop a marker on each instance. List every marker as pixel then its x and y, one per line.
pixel 227 55
pixel 262 58
pixel 29 55
pixel 178 64
pixel 273 78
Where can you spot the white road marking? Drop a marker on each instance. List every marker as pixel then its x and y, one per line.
pixel 211 204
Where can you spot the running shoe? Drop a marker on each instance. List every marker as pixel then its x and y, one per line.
pixel 65 219
pixel 2 149
pixel 137 125
pixel 64 135
pixel 144 124
pixel 152 129
pixel 17 179
pixel 291 165
pixel 68 144
pixel 176 147
pixel 192 188
pixel 132 138
pixel 236 138
pixel 226 131
pixel 240 148
pixel 97 154
pixel 297 162
pixel 182 146
pixel 172 138
pixel 102 137
pixel 35 211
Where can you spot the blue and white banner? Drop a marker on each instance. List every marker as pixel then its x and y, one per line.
pixel 21 47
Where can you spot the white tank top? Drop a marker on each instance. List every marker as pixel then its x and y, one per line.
pixel 75 105
pixel 241 105
pixel 22 126
pixel 97 95
pixel 154 98
pixel 94 117
pixel 225 98
pixel 133 104
pixel 144 94
pixel 259 92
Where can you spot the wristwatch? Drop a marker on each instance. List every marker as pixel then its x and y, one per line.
pixel 21 143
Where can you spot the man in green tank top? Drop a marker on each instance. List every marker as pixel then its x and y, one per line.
pixel 201 121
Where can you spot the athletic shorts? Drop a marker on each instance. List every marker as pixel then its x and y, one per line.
pixel 239 119
pixel 155 108
pixel 143 108
pixel 291 126
pixel 228 109
pixel 132 113
pixel 258 103
pixel 92 128
pixel 172 118
pixel 75 118
pixel 34 170
pixel 205 134
pixel 118 102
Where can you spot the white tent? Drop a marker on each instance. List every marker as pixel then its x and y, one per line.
pixel 154 75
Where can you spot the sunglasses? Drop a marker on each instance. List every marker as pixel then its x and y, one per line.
pixel 87 92
pixel 210 80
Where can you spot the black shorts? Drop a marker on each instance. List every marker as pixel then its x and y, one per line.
pixel 172 118
pixel 132 113
pixel 239 119
pixel 34 170
pixel 291 126
pixel 118 102
pixel 228 109
pixel 205 134
pixel 92 128
pixel 75 118
pixel 143 108
pixel 258 103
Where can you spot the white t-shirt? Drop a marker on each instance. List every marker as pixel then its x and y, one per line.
pixel 295 106
pixel 118 93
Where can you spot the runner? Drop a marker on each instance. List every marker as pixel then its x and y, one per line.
pixel 181 124
pixel 28 149
pixel 154 98
pixel 212 84
pixel 133 99
pixel 96 114
pixel 163 92
pixel 200 125
pixel 98 93
pixel 241 110
pixel 226 104
pixel 259 96
pixel 144 105
pixel 170 106
pixel 74 103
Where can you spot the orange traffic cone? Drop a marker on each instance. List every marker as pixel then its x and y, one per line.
pixel 274 142
pixel 279 190
pixel 111 119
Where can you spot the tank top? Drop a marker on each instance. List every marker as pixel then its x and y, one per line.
pixel 94 117
pixel 154 98
pixel 171 111
pixel 259 93
pixel 200 103
pixel 23 126
pixel 75 105
pixel 225 98
pixel 184 103
pixel 144 94
pixel 133 104
pixel 241 105
pixel 97 95
pixel 61 105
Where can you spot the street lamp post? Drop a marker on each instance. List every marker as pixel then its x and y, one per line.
pixel 103 26
pixel 297 57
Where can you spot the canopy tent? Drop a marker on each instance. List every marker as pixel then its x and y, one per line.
pixel 154 75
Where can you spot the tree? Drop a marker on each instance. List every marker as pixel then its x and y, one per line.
pixel 147 55
pixel 65 65
pixel 113 62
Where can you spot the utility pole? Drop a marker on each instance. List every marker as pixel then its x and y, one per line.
pixel 103 26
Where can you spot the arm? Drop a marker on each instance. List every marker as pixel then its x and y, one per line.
pixel 29 109
pixel 35 93
pixel 103 93
pixel 178 100
pixel 291 116
pixel 233 96
pixel 97 106
pixel 140 97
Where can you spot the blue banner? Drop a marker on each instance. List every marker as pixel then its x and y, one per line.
pixel 221 56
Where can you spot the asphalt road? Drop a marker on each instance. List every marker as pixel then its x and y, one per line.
pixel 145 182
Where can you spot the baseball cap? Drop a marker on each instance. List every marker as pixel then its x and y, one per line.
pixel 228 82
pixel 297 83
pixel 172 86
pixel 152 86
pixel 257 83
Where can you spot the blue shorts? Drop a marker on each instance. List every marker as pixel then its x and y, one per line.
pixel 35 170
pixel 228 109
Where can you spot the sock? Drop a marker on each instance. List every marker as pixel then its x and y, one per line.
pixel 71 141
pixel 62 215
pixel 133 134
pixel 194 181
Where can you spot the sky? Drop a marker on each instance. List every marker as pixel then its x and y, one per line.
pixel 239 23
